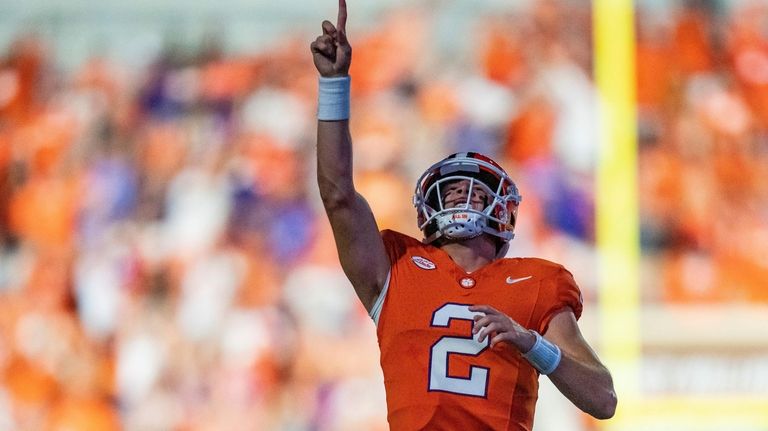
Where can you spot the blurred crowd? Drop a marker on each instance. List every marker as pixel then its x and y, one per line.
pixel 703 120
pixel 164 260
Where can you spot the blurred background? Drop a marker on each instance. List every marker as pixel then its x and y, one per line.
pixel 165 263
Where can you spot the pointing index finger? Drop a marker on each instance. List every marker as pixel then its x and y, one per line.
pixel 341 22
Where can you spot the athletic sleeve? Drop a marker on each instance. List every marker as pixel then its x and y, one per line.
pixel 559 292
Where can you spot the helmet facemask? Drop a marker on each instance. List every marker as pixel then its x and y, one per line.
pixel 497 216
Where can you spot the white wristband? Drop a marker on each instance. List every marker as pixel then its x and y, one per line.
pixel 333 98
pixel 544 355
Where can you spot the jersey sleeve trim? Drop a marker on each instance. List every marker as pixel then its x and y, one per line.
pixel 375 312
pixel 559 293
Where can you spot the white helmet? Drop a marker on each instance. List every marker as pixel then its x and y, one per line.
pixel 463 222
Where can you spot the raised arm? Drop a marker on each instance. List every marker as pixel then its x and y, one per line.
pixel 360 247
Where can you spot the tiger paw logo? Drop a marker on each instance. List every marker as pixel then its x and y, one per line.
pixel 423 262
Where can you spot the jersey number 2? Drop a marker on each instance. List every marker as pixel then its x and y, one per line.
pixel 477 383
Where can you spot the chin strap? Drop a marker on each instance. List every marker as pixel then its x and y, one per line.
pixel 502 251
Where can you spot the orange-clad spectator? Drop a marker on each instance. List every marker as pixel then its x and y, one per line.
pixel 740 275
pixel 690 277
pixel 86 399
pixel 48 284
pixel 501 54
pixel 748 49
pixel 43 143
pixel 653 63
pixel 694 52
pixel 22 81
pixel 43 211
pixel 83 414
pixel 529 136
pixel 226 79
pixel 282 67
pixel 6 185
pixel 5 151
pixel 728 168
pixel 159 152
pixel 660 182
pixel 721 277
pixel 103 77
pixel 437 102
pixel 548 16
pixel 30 384
pixel 43 208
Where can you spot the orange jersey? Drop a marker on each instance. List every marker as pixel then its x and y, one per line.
pixel 437 376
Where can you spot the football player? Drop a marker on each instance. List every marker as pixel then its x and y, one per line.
pixel 464 332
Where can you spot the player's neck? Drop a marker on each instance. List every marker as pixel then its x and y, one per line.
pixel 471 254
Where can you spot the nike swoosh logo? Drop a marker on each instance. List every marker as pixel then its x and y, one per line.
pixel 511 280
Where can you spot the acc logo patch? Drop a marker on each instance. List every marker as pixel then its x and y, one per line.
pixel 423 262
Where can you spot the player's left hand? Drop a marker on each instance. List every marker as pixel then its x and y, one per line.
pixel 500 327
pixel 331 51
